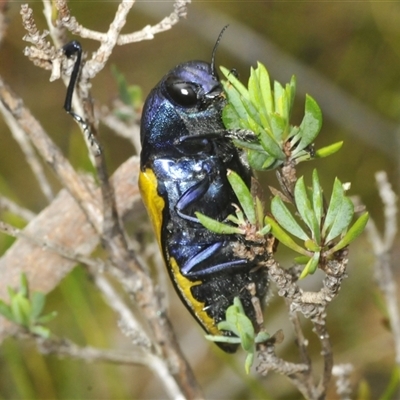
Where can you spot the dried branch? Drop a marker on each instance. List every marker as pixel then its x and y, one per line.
pixel 342 374
pixel 9 205
pixel 30 155
pixel 64 224
pixel 130 132
pixel 313 306
pixel 51 154
pixel 382 245
pixel 147 33
pixel 65 348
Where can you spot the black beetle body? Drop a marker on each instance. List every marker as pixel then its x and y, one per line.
pixel 184 162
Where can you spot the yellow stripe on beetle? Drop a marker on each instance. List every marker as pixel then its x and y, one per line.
pixel 152 200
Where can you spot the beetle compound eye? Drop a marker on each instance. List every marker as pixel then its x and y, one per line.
pixel 182 93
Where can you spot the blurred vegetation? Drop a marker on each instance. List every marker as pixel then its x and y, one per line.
pixel 355 45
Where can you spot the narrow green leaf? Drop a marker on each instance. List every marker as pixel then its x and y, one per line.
pixel 21 310
pixel 11 292
pixel 317 198
pixel 356 229
pixel 24 286
pixel 284 238
pixel 5 310
pixel 291 93
pixel 310 125
pixel 279 99
pixel 302 260
pixel 38 301
pixel 262 337
pixel 122 85
pixel 278 125
pixel 235 101
pixel 244 196
pixel 328 150
pixel 44 319
pixel 265 86
pixel 241 89
pixel 216 226
pixel 270 144
pixel 304 208
pixel 342 220
pixel 259 211
pixel 286 219
pixel 238 306
pixel 312 246
pixel 230 117
pixel 266 229
pixel 40 331
pixel 249 362
pixel 334 205
pixel 255 96
pixel 311 266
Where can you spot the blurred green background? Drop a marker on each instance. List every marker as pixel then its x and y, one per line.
pixel 345 54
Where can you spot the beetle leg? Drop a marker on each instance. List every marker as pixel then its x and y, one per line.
pixel 70 49
pixel 204 255
pixel 193 194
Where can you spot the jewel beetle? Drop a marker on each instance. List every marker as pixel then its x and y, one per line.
pixel 186 154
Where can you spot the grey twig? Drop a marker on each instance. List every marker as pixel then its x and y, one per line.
pixel 382 245
pixel 342 374
pixel 30 155
pixel 9 205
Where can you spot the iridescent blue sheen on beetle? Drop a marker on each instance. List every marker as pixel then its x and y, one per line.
pixel 184 162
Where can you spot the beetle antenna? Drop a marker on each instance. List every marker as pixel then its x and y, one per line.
pixel 70 49
pixel 215 49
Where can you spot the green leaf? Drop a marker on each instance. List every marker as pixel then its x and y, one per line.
pixel 122 85
pixel 44 319
pixel 312 246
pixel 40 331
pixel 278 126
pixel 244 196
pixel 262 337
pixel 21 310
pixel 310 125
pixel 270 145
pixel 24 286
pixel 216 226
pixel 279 99
pixel 328 150
pixel 304 208
pixel 302 260
pixel 249 362
pixel 11 292
pixel 240 88
pixel 356 229
pixel 255 96
pixel 265 87
pixel 334 205
pixel 259 211
pixel 38 301
pixel 317 198
pixel 311 266
pixel 284 238
pixel 285 218
pixel 236 104
pixel 5 311
pixel 342 220
pixel 266 229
